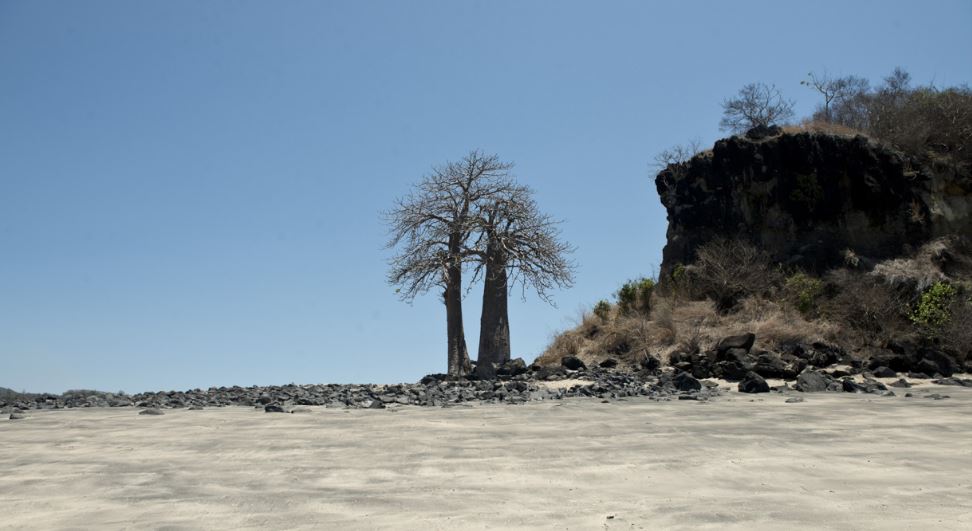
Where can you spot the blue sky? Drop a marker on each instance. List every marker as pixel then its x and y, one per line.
pixel 190 190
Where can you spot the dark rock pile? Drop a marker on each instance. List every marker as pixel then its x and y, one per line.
pixel 733 358
pixel 512 383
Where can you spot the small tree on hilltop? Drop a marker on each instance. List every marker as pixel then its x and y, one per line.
pixel 756 104
pixel 837 92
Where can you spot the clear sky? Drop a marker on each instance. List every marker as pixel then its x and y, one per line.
pixel 190 190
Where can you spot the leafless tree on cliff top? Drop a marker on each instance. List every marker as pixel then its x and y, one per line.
pixel 431 229
pixel 756 104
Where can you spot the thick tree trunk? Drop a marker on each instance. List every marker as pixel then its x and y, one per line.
pixel 458 355
pixel 494 330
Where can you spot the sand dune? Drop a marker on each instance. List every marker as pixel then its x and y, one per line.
pixel 835 461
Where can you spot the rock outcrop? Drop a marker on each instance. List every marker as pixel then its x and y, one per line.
pixel 805 198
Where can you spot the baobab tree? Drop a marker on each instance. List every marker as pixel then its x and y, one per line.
pixel 431 228
pixel 517 244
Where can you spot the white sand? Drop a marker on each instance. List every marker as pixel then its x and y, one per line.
pixel 835 461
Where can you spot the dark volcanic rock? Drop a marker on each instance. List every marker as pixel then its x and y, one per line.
pixel 902 383
pixel 650 363
pixel 810 381
pixel 609 363
pixel 884 372
pixel 804 198
pixel 945 364
pixel 954 381
pixel 572 363
pixel 753 383
pixel 742 341
pixel 732 371
pixel 513 367
pixel 685 382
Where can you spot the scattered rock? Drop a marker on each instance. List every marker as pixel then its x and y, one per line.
pixel 273 408
pixel 151 411
pixel 901 383
pixel 753 383
pixel 16 415
pixel 608 363
pixel 953 381
pixel 794 400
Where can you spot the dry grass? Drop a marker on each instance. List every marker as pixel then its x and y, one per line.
pixel 685 326
pixel 821 126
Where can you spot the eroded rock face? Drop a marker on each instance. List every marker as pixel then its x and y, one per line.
pixel 807 197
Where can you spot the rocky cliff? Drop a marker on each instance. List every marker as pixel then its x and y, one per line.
pixel 806 198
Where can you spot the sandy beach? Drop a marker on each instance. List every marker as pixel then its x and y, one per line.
pixel 834 461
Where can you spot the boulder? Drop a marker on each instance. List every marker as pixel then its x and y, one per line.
pixel 902 383
pixel 151 411
pixel 273 408
pixel 945 363
pixel 686 382
pixel 810 381
pixel 515 367
pixel 884 372
pixel 732 371
pixel 572 363
pixel 742 341
pixel 771 365
pixel 650 363
pixel 753 383
pixel 608 363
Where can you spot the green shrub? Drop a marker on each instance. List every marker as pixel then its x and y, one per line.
pixel 635 295
pixel 802 291
pixel 932 310
pixel 603 310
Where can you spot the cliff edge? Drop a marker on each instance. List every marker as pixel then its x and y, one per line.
pixel 810 198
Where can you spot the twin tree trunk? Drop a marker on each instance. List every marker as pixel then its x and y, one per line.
pixel 458 355
pixel 494 330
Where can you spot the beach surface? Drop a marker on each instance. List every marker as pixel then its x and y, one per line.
pixel 833 461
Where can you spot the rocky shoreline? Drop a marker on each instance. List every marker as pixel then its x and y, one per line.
pixel 431 391
pixel 810 368
pixel 513 383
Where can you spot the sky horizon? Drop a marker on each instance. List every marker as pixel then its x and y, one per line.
pixel 190 191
